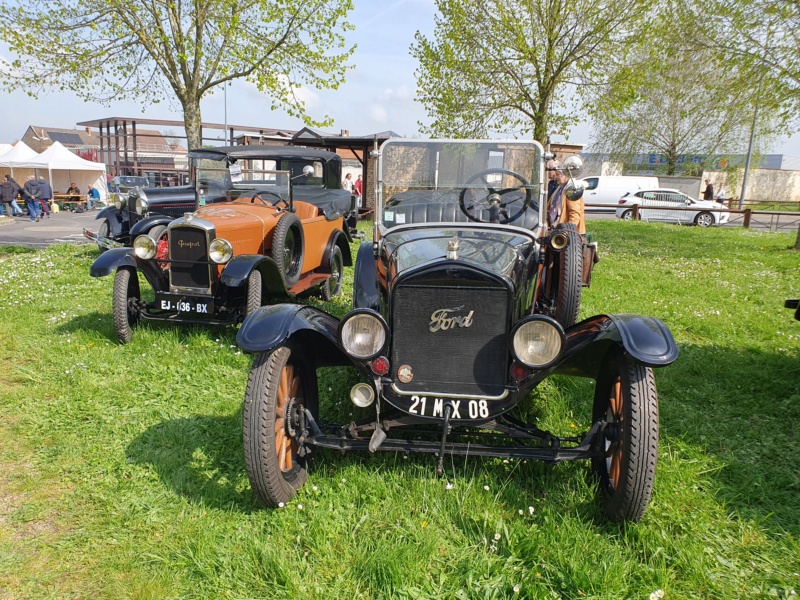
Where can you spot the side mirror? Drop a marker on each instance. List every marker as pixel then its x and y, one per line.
pixel 573 165
pixel 574 190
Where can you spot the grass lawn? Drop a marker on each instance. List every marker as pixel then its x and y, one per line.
pixel 122 475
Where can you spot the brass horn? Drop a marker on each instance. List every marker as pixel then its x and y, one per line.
pixel 559 241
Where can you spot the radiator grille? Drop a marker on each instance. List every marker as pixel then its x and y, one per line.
pixel 188 253
pixel 453 360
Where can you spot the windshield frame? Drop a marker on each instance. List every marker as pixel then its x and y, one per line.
pixel 538 183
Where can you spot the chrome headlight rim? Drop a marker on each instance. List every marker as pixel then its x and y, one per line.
pixel 220 251
pixel 348 320
pixel 524 324
pixel 145 247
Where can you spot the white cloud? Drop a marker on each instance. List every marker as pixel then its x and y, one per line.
pixel 379 115
pixel 401 93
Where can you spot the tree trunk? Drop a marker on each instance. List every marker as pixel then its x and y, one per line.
pixel 193 122
pixel 797 241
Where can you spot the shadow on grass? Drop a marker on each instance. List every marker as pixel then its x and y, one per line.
pixel 199 458
pixel 740 408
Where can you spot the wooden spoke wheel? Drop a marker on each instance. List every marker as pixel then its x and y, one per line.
pixel 626 402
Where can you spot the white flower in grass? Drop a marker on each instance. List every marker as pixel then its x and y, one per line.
pixel 657 594
pixel 486 487
pixel 531 510
pixel 315 488
pixel 521 512
pixel 516 589
pixel 281 505
pixel 299 507
pixel 497 536
pixel 344 480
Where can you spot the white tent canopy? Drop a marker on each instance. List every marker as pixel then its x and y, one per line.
pixel 63 168
pixel 5 148
pixel 20 153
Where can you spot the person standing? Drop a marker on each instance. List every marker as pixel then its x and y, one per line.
pixel 347 183
pixel 358 187
pixel 561 209
pixel 47 195
pixel 708 193
pixel 9 190
pixel 720 195
pixel 552 174
pixel 31 192
pixel 15 208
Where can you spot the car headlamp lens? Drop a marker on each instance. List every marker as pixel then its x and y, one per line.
pixel 538 342
pixel 120 201
pixel 140 204
pixel 362 334
pixel 144 247
pixel 220 251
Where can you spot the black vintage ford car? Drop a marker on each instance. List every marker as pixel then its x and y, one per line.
pixel 452 327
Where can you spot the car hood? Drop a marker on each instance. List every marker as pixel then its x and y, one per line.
pixel 501 251
pixel 243 225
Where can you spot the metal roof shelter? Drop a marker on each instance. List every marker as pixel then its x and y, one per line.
pixel 123 149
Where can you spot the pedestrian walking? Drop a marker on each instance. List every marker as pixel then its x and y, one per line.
pixel 31 193
pixel 347 183
pixel 708 193
pixel 9 190
pixel 47 195
pixel 358 188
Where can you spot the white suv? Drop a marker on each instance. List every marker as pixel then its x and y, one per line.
pixel 705 213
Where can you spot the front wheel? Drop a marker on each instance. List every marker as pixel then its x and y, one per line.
pixel 126 300
pixel 281 385
pixel 704 219
pixel 105 231
pixel 287 248
pixel 333 286
pixel 254 293
pixel 626 403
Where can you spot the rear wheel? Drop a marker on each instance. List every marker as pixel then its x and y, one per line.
pixel 704 219
pixel 287 248
pixel 627 215
pixel 333 286
pixel 626 402
pixel 126 300
pixel 280 386
pixel 253 302
pixel 569 263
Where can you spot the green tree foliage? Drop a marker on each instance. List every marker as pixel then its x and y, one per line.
pixel 518 65
pixel 759 38
pixel 177 49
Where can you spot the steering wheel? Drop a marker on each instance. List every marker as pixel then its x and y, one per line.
pixel 492 199
pixel 264 201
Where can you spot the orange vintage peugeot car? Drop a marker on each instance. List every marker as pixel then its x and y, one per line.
pixel 269 224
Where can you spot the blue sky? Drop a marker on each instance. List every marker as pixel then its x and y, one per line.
pixel 378 93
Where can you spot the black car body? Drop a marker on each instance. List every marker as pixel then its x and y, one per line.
pixel 267 225
pixel 451 329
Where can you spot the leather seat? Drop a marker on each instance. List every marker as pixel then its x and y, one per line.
pixel 449 212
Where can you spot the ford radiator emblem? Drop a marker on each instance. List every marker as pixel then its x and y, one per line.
pixel 446 318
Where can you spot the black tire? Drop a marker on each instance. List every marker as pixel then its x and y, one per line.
pixel 254 293
pixel 105 231
pixel 126 311
pixel 274 466
pixel 627 215
pixel 333 286
pixel 287 248
pixel 569 263
pixel 626 400
pixel 704 219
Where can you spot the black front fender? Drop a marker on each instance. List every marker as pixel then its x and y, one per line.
pixel 237 271
pixel 148 223
pixel 314 330
pixel 110 261
pixel 645 339
pixel 366 290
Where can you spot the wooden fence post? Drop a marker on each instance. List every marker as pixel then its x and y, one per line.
pixel 747 214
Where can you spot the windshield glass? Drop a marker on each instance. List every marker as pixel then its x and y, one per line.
pixel 217 182
pixel 444 175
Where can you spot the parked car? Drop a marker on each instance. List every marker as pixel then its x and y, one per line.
pixel 449 337
pixel 143 209
pixel 704 214
pixel 794 304
pixel 608 189
pixel 128 182
pixel 269 224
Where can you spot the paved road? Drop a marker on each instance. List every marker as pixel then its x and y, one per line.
pixel 62 227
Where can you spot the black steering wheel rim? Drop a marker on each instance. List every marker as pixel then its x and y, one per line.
pixel 264 201
pixel 525 184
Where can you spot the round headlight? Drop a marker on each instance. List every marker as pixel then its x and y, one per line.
pixel 220 251
pixel 538 341
pixel 120 201
pixel 363 334
pixel 144 247
pixel 140 205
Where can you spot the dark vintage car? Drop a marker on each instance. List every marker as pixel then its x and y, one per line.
pixel 450 331
pixel 794 304
pixel 269 224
